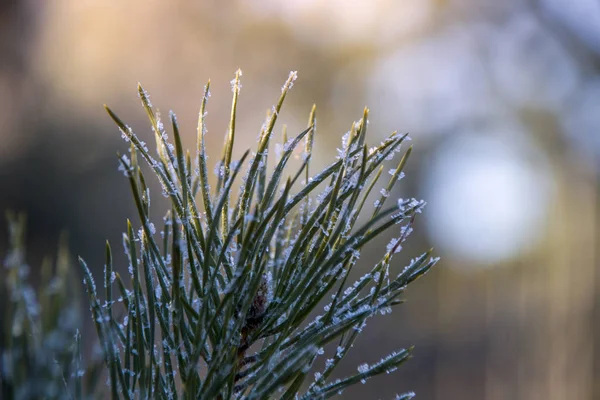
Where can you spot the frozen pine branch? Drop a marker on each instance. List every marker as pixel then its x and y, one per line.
pixel 40 343
pixel 222 303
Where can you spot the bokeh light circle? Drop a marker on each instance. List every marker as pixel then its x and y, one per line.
pixel 489 192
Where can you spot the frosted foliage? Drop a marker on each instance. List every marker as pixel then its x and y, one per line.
pixel 143 145
pixel 278 150
pixel 363 368
pixel 413 203
pixel 124 166
pixel 394 246
pixel 405 231
pixel 291 79
pixel 288 145
pixel 345 140
pixel 219 170
pixel 225 296
pixel 400 175
pixel 235 84
pixel 125 135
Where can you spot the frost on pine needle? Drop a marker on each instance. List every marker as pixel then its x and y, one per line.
pixel 221 303
pixel 40 344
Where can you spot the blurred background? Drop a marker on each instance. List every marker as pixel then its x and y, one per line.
pixel 501 99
